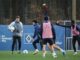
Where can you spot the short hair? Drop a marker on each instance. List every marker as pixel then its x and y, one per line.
pixel 17 16
pixel 46 18
pixel 35 21
pixel 72 21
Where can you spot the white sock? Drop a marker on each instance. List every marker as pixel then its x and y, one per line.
pixel 37 50
pixel 54 53
pixel 44 54
pixel 62 50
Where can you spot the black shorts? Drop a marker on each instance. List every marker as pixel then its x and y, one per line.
pixel 54 41
pixel 48 40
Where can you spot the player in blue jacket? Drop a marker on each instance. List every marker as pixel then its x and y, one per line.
pixel 36 36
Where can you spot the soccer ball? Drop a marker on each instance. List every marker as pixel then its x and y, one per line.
pixel 44 4
pixel 44 7
pixel 25 51
pixel 11 28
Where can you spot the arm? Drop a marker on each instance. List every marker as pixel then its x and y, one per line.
pixel 53 31
pixel 21 27
pixel 63 25
pixel 11 25
pixel 78 29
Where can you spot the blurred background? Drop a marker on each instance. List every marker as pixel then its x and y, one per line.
pixel 31 9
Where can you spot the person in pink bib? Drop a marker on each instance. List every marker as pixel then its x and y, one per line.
pixel 75 31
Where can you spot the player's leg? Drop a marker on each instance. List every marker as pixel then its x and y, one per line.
pixel 50 48
pixel 78 40
pixel 53 50
pixel 50 41
pixel 19 43
pixel 57 47
pixel 13 43
pixel 35 46
pixel 44 47
pixel 44 50
pixel 74 42
pixel 41 44
pixel 40 40
pixel 16 45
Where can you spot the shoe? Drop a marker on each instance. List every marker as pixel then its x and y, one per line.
pixel 54 55
pixel 64 53
pixel 36 51
pixel 19 52
pixel 44 55
pixel 12 52
pixel 75 53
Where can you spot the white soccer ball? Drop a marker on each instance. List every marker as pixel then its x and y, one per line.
pixel 44 4
pixel 11 28
pixel 25 51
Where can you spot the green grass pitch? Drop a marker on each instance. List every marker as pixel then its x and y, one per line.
pixel 6 55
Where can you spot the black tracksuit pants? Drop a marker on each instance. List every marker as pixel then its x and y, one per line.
pixel 75 38
pixel 16 39
pixel 35 43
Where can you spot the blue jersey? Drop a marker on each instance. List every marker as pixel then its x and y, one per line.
pixel 36 31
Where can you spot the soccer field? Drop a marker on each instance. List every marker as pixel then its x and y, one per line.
pixel 6 55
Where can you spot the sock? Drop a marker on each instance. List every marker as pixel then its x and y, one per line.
pixel 54 53
pixel 37 50
pixel 62 50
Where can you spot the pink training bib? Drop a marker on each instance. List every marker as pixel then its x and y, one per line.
pixel 47 30
pixel 74 31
